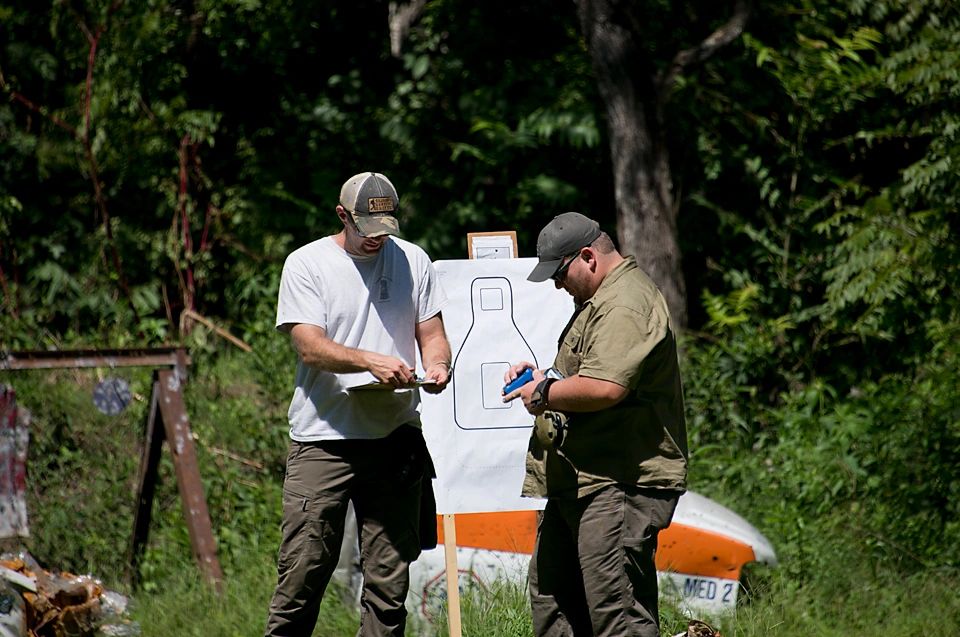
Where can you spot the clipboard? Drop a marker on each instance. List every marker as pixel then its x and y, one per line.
pixel 378 386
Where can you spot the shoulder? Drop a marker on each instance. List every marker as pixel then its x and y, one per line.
pixel 311 249
pixel 630 288
pixel 409 248
pixel 414 254
pixel 631 298
pixel 306 254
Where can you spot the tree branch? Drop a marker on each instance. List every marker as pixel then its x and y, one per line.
pixel 723 36
pixel 186 156
pixel 36 108
pixel 93 38
pixel 400 18
pixel 88 91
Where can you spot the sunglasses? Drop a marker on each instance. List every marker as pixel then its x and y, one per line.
pixel 353 223
pixel 561 272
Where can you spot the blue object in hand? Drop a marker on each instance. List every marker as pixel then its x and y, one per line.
pixel 519 381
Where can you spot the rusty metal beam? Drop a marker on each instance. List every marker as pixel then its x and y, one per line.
pixel 176 425
pixel 69 359
pixel 149 461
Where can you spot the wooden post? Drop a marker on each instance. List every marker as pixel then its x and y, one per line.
pixel 453 574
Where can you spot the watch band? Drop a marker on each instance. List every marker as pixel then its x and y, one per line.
pixel 540 396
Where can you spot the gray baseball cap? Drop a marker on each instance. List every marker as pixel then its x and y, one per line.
pixel 562 237
pixel 372 201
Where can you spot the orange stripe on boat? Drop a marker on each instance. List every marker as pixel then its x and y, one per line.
pixel 687 549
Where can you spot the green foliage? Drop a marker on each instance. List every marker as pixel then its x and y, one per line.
pixel 205 186
pixel 187 606
pixel 814 164
pixel 486 136
pixel 848 598
pixel 80 508
pixel 812 374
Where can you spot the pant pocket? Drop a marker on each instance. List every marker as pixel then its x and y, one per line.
pixel 311 532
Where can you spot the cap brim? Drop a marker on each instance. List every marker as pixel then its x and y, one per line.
pixel 544 270
pixel 376 225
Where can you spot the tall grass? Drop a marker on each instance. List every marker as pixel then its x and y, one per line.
pixel 187 607
pixel 833 579
pixel 882 605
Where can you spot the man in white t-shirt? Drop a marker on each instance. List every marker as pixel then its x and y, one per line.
pixel 357 306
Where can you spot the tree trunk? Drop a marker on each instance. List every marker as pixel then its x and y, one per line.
pixel 643 188
pixel 635 95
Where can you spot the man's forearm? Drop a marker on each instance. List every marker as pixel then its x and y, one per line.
pixel 436 353
pixel 322 353
pixel 583 394
pixel 329 356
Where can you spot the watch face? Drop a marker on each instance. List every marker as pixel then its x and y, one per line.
pixel 111 396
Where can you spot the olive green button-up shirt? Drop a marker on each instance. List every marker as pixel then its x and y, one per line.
pixel 623 335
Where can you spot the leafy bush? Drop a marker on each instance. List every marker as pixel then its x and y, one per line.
pixel 81 507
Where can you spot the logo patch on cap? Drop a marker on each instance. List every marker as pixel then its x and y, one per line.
pixel 380 204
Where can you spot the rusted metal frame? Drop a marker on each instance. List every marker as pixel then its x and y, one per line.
pixel 176 425
pixel 142 357
pixel 166 402
pixel 149 461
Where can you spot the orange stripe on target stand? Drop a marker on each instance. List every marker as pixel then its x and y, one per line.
pixel 513 531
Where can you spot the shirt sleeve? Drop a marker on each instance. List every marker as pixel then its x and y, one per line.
pixel 617 344
pixel 432 297
pixel 300 299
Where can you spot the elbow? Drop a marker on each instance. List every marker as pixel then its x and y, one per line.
pixel 614 395
pixel 308 356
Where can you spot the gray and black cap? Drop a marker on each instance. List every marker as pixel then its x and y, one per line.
pixel 372 201
pixel 563 236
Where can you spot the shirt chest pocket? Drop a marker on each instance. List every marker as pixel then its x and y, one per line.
pixel 570 350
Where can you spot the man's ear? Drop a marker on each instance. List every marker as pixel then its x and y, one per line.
pixel 588 255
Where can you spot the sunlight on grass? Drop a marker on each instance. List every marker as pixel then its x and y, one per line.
pixel 187 607
pixel 912 607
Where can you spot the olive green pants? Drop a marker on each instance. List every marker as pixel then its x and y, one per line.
pixel 592 572
pixel 383 479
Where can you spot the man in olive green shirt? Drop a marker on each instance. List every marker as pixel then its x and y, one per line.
pixel 609 446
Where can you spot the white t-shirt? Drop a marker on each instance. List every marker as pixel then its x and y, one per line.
pixel 372 303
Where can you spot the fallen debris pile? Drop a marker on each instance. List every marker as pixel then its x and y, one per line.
pixel 35 602
pixel 698 628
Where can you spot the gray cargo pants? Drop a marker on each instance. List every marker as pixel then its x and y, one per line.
pixel 383 479
pixel 592 572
